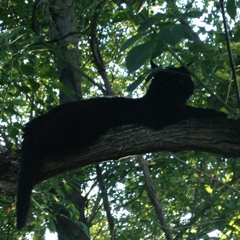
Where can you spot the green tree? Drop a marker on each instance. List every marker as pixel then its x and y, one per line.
pixel 58 51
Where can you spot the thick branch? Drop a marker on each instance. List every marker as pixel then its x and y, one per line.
pixel 219 135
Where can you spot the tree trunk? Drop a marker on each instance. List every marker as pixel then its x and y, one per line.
pixel 62 15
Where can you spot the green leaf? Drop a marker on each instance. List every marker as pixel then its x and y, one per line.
pixel 139 55
pixel 166 35
pixel 130 41
pixel 231 8
pixel 10 33
pixel 159 49
pixel 208 189
pixel 160 17
pixel 34 85
pixel 150 21
pixel 178 32
pixel 136 83
pixel 138 6
pixel 63 87
pixel 192 14
pixel 27 69
pixel 68 188
pixel 18 102
pixel 13 131
pixel 172 34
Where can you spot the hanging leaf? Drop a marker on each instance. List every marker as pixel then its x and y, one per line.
pixel 34 85
pixel 130 41
pixel 208 189
pixel 192 14
pixel 178 32
pixel 139 55
pixel 160 47
pixel 172 34
pixel 231 8
pixel 165 35
pixel 136 83
pixel 150 21
pixel 18 102
pixel 27 69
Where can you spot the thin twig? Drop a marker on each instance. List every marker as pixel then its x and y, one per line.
pixel 230 55
pixel 208 176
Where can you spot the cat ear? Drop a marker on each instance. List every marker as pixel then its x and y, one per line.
pixel 153 72
pixel 184 70
pixel 153 65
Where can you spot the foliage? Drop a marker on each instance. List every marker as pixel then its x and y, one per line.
pixel 199 192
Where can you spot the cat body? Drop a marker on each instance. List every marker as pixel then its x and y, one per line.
pixel 72 126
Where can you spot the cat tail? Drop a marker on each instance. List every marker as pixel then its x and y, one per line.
pixel 26 183
pixel 24 192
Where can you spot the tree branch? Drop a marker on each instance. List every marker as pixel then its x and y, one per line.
pixel 97 56
pixel 217 135
pixel 153 196
pixel 172 5
pixel 106 204
pixel 230 55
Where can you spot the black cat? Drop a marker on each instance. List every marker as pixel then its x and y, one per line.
pixel 70 127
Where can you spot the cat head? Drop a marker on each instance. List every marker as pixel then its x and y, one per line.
pixel 171 85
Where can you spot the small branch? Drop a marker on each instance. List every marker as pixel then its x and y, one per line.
pixel 192 221
pixel 203 173
pixel 97 56
pixel 66 61
pixel 94 210
pixel 191 33
pixel 230 55
pixel 105 201
pixel 34 18
pixel 152 194
pixel 184 22
pixel 65 36
pixel 201 213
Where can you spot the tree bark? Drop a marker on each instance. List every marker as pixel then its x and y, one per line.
pixel 62 20
pixel 220 136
